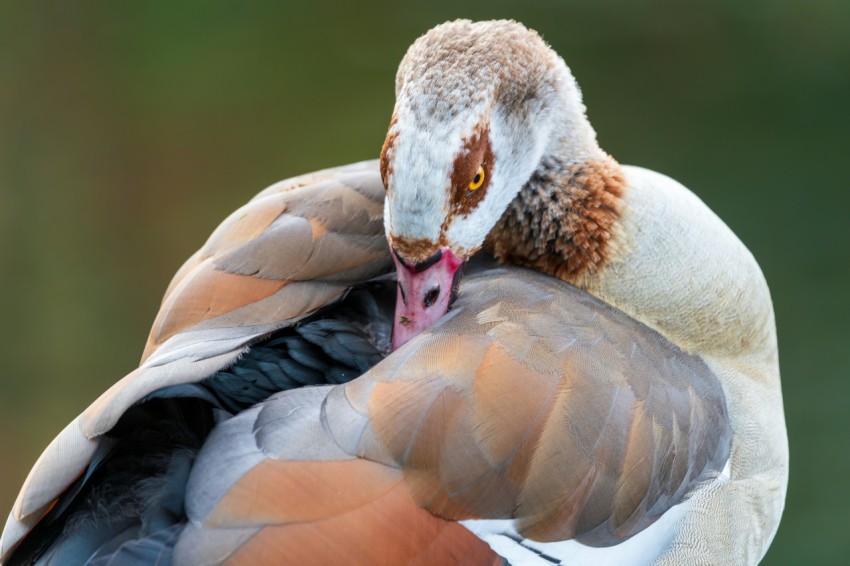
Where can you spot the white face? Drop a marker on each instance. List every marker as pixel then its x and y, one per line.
pixel 489 94
pixel 430 165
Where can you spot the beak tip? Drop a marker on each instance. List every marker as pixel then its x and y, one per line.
pixel 425 293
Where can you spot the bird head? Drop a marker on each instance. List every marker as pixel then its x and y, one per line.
pixel 478 105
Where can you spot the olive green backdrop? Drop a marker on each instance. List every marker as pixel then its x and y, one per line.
pixel 128 132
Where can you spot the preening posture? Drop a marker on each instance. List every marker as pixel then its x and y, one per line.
pixel 600 387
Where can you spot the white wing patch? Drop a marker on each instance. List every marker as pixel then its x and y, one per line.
pixel 643 548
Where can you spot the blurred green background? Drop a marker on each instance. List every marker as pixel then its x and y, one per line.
pixel 127 132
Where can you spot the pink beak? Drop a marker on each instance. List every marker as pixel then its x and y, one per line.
pixel 425 293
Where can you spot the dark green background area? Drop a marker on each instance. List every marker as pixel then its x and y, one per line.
pixel 128 132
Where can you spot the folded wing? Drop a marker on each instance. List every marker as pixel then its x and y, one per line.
pixel 532 401
pixel 294 248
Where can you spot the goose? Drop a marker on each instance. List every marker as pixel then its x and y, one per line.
pixel 492 345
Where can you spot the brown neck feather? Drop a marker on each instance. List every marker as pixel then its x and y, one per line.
pixel 561 221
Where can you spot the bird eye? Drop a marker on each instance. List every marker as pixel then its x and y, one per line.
pixel 478 180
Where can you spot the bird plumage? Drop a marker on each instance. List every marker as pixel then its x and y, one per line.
pixel 213 312
pixel 619 400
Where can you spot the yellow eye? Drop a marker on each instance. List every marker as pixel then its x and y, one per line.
pixel 478 180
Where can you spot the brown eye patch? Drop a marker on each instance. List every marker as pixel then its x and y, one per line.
pixel 386 151
pixel 476 152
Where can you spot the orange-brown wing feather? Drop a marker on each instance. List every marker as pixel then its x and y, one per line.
pixel 271 485
pixel 328 231
pixel 531 401
pixel 295 247
pixel 537 402
pixel 309 516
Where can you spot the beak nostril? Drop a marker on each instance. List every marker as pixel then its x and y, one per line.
pixel 431 296
pixel 424 291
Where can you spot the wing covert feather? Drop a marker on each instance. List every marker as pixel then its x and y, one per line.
pixel 294 248
pixel 531 401
pixel 326 234
pixel 275 483
pixel 577 421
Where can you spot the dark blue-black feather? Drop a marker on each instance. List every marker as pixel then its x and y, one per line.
pixel 127 508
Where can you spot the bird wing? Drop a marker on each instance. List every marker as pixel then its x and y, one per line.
pixel 297 246
pixel 531 402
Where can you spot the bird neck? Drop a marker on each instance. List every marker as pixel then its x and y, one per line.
pixel 563 219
